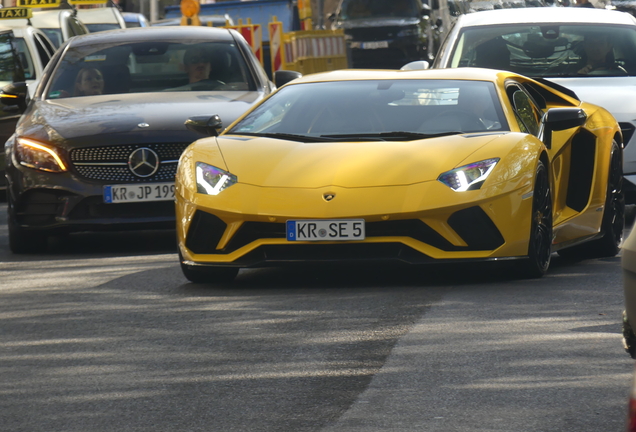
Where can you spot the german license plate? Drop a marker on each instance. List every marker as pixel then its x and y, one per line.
pixel 325 230
pixel 128 193
pixel 375 45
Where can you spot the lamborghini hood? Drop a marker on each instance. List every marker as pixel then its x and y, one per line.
pixel 278 163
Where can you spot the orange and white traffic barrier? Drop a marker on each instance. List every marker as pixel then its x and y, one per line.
pixel 276 46
pixel 257 46
pixel 253 36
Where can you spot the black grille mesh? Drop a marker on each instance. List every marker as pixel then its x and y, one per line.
pixel 122 174
pixel 120 153
pixel 88 162
pixel 373 33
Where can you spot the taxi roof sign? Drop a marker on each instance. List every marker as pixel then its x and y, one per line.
pixel 87 2
pixel 38 3
pixel 15 13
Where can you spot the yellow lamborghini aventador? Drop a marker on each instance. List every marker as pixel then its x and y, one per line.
pixel 412 166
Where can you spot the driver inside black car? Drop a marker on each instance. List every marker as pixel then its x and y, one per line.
pixel 597 57
pixel 196 63
pixel 199 64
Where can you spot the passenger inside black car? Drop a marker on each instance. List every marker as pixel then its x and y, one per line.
pixel 91 81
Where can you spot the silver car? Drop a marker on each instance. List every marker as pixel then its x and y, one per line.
pixel 591 52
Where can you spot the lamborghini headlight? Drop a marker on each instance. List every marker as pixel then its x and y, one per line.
pixel 212 180
pixel 468 177
pixel 39 156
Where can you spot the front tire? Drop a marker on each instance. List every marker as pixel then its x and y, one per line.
pixel 22 241
pixel 540 244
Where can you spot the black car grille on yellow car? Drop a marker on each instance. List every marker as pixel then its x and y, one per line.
pixel 110 163
pixel 471 224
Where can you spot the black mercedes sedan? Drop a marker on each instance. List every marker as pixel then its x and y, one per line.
pixel 98 145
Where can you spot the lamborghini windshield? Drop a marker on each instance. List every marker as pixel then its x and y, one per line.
pixel 376 109
pixel 552 50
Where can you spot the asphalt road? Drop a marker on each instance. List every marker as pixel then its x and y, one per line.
pixel 103 333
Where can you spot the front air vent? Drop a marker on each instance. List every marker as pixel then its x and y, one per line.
pixel 204 233
pixel 476 228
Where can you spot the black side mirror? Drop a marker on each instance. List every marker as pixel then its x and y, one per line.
pixel 282 77
pixel 439 23
pixel 558 119
pixel 211 126
pixel 15 94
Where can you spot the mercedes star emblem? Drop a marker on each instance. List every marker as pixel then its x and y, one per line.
pixel 143 162
pixel 328 196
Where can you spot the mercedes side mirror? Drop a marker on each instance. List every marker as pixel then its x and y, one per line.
pixel 211 126
pixel 282 77
pixel 558 119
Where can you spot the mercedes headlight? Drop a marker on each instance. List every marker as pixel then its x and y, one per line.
pixel 468 177
pixel 39 156
pixel 212 180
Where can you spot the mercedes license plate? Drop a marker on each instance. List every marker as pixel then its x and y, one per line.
pixel 128 193
pixel 325 230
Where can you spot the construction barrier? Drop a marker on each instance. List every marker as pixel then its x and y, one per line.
pixel 305 51
pixel 304 13
pixel 257 46
pixel 276 45
pixel 313 51
pixel 253 35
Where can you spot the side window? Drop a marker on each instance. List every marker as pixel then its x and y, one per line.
pixel 43 52
pixel 49 47
pixel 11 70
pixel 528 115
pixel 25 58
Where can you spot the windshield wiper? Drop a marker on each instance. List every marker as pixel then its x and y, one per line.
pixel 286 136
pixel 397 135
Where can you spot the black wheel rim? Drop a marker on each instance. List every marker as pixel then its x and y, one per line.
pixel 542 221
